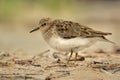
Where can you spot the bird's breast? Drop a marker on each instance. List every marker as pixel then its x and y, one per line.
pixel 61 44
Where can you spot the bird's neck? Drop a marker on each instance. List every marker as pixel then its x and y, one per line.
pixel 47 33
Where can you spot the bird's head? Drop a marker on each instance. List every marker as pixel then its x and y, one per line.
pixel 43 25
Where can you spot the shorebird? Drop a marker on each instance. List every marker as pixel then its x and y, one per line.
pixel 68 36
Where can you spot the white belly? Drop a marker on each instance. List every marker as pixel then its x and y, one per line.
pixel 67 45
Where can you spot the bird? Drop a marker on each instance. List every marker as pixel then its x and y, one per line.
pixel 68 36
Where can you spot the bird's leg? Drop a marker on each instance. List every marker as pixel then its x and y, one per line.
pixel 70 56
pixel 76 55
pixel 78 58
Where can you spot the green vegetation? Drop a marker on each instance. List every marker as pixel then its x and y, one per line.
pixel 10 8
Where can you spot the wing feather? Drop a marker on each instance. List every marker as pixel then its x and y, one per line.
pixel 69 29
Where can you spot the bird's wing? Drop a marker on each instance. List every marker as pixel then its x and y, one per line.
pixel 69 29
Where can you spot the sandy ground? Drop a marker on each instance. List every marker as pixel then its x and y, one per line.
pixel 98 65
pixel 20 52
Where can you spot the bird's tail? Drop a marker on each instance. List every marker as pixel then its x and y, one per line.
pixel 106 40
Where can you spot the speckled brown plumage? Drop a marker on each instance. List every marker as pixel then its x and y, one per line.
pixel 69 29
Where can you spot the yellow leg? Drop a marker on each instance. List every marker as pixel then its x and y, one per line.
pixel 70 56
pixel 76 55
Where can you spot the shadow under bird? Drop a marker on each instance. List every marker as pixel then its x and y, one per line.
pixel 68 36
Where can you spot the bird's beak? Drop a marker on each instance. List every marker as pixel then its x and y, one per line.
pixel 35 29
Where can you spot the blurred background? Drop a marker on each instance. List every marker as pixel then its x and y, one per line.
pixel 18 17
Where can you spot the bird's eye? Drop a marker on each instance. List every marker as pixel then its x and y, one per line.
pixel 43 24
